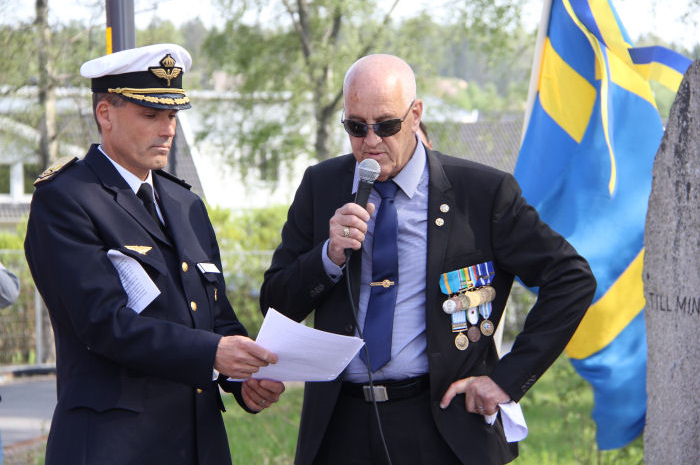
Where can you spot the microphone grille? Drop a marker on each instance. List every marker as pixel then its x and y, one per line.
pixel 369 170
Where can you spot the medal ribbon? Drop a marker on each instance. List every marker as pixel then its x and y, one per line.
pixel 466 278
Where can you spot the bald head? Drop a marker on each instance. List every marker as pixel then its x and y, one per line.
pixel 381 74
pixel 381 89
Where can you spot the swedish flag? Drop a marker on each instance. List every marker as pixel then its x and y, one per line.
pixel 585 163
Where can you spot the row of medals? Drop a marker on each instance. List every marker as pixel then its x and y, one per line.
pixel 475 331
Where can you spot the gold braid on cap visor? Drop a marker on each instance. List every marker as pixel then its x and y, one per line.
pixel 135 94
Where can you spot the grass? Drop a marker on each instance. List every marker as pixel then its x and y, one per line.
pixel 557 411
pixel 266 438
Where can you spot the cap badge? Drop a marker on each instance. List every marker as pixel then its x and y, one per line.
pixel 167 70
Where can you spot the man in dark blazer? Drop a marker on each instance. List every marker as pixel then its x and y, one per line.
pixel 453 214
pixel 136 380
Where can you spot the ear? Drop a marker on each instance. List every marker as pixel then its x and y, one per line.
pixel 417 111
pixel 103 113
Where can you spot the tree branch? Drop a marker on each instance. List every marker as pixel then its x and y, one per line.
pixel 368 45
pixel 301 26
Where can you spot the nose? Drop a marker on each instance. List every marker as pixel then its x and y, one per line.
pixel 167 127
pixel 372 138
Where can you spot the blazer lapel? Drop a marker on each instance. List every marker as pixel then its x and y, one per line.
pixel 123 195
pixel 440 217
pixel 170 208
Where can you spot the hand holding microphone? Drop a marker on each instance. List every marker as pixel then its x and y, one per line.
pixel 347 228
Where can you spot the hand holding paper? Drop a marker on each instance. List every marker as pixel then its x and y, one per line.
pixel 305 354
pixel 239 357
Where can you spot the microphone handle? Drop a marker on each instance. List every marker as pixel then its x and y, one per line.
pixel 361 198
pixel 362 194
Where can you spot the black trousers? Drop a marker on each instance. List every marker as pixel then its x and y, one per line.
pixel 352 436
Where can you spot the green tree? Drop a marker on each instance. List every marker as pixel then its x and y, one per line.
pixel 291 56
pixel 246 241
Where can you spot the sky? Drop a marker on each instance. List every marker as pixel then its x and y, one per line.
pixel 639 16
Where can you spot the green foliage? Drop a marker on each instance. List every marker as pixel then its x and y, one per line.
pixel 293 56
pixel 268 437
pixel 520 301
pixel 158 32
pixel 561 431
pixel 14 240
pixel 17 322
pixel 14 43
pixel 664 98
pixel 71 45
pixel 252 229
pixel 246 241
pixel 292 65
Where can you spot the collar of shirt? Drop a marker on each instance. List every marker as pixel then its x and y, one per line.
pixel 131 179
pixel 408 177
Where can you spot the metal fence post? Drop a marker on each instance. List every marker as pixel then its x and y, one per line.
pixel 38 327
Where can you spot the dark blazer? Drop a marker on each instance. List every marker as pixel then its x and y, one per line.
pixel 487 220
pixel 132 388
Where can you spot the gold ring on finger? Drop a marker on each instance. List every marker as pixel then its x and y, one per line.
pixel 346 232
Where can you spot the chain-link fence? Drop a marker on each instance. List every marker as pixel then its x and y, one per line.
pixel 25 330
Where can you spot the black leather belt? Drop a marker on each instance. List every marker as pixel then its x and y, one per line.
pixel 385 391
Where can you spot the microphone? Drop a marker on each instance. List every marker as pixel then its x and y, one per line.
pixel 369 171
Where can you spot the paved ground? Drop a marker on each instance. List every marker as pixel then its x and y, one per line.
pixel 25 415
pixel 26 408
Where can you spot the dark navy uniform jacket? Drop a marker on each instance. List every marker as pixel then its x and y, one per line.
pixel 132 388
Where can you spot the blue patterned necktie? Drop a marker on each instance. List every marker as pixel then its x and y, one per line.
pixel 379 319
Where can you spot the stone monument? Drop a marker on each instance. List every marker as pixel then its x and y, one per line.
pixel 672 286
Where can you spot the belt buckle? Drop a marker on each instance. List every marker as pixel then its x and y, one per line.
pixel 380 394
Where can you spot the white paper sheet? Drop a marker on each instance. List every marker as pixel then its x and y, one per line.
pixel 513 421
pixel 139 287
pixel 305 354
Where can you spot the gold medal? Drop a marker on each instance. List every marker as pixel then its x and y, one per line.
pixel 486 328
pixel 473 334
pixel 461 341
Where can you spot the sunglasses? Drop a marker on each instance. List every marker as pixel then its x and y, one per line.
pixel 384 129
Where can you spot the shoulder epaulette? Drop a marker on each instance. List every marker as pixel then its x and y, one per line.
pixel 60 165
pixel 173 178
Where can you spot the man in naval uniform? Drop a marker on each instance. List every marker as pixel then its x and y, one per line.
pixel 137 380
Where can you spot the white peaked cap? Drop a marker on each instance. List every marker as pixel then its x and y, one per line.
pixel 149 76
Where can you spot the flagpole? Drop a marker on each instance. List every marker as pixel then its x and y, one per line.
pixel 537 63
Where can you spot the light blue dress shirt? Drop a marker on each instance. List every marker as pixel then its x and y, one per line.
pixel 408 344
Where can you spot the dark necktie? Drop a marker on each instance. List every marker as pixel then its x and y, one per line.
pixel 145 193
pixel 379 319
